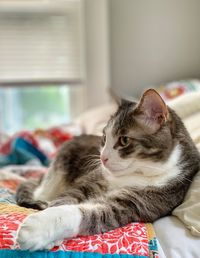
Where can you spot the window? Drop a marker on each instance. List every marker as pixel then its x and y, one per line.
pixel 40 45
pixel 37 107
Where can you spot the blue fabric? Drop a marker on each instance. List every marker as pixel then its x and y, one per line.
pixel 23 151
pixel 61 254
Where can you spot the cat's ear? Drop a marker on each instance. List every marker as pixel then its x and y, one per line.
pixel 151 111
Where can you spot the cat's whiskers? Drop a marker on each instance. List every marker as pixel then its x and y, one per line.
pixel 93 155
pixel 93 162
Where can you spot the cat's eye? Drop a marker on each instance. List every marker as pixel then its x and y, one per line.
pixel 124 141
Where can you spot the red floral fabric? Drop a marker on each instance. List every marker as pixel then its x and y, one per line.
pixel 131 239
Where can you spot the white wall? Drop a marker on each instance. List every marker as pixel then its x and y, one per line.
pixel 135 44
pixel 153 41
pixel 96 56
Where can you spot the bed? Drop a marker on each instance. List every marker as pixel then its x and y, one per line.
pixel 168 237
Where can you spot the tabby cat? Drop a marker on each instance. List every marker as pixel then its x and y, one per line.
pixel 139 170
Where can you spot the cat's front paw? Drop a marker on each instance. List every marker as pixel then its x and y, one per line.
pixel 34 234
pixel 47 228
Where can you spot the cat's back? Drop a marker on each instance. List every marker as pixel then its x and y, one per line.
pixel 77 155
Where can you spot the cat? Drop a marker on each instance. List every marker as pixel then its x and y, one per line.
pixel 138 171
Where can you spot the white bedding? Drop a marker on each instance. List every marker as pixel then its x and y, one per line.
pixel 175 240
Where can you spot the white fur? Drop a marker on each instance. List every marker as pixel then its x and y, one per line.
pixel 135 172
pixel 114 163
pixel 147 173
pixel 51 186
pixel 49 227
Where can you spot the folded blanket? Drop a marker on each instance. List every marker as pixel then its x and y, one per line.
pixel 135 240
pixel 37 146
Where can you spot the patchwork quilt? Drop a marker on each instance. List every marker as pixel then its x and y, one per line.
pixel 135 240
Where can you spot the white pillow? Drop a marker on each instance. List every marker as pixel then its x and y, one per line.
pixel 188 107
pixel 189 210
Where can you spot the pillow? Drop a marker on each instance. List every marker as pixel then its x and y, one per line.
pixel 193 126
pixel 94 120
pixel 189 210
pixel 186 105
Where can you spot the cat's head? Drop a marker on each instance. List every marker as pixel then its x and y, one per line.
pixel 138 133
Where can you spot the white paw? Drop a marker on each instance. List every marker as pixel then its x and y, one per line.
pixel 56 243
pixel 45 229
pixel 33 234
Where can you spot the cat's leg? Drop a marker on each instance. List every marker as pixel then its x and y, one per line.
pixel 52 185
pixel 24 196
pixel 37 194
pixel 40 224
pixel 72 196
pixel 42 229
pixel 81 191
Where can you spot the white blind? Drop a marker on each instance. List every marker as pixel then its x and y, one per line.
pixel 40 41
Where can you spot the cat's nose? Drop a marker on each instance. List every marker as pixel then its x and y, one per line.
pixel 104 159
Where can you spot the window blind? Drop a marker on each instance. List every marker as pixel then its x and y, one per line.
pixel 40 42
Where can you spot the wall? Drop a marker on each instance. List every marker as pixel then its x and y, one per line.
pixel 97 73
pixel 153 41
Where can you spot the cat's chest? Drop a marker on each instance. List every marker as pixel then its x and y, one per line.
pixel 131 181
pixel 140 181
pixel 147 173
pixel 119 182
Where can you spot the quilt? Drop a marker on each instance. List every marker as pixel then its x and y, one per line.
pixel 135 240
